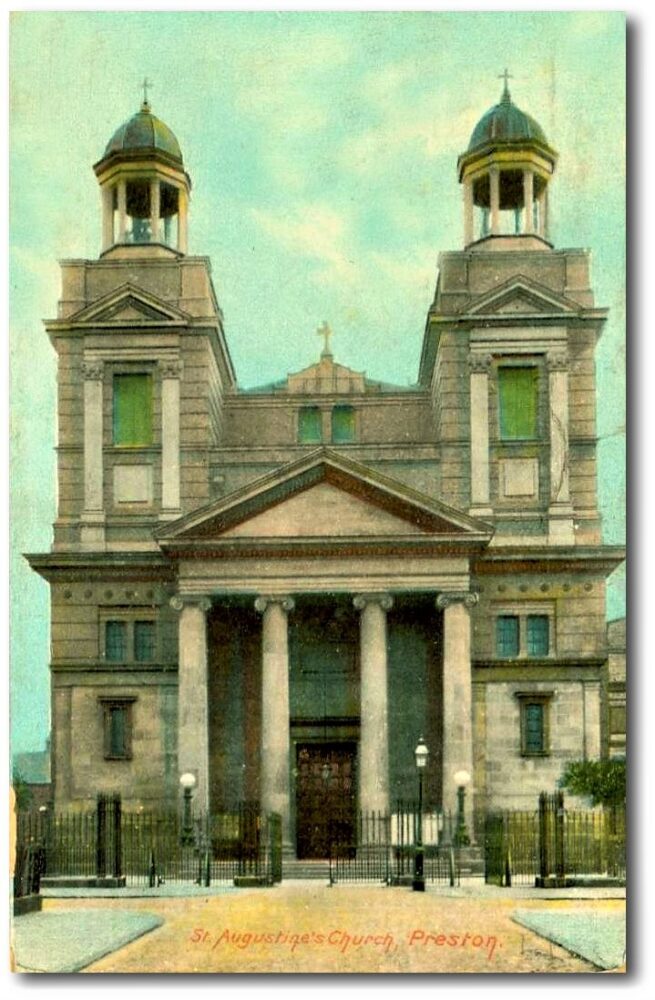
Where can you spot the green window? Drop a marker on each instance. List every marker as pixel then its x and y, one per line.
pixel 533 728
pixel 518 390
pixel 309 425
pixel 115 641
pixel 343 424
pixel 132 414
pixel 538 628
pixel 117 731
pixel 507 635
pixel 144 641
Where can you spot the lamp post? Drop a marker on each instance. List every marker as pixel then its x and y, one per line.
pixel 421 755
pixel 188 783
pixel 461 838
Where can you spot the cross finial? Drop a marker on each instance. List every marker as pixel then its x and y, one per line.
pixel 506 76
pixel 146 83
pixel 325 332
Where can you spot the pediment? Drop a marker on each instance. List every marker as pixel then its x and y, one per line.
pixel 128 304
pixel 324 496
pixel 522 296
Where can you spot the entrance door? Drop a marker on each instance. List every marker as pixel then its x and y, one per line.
pixel 326 797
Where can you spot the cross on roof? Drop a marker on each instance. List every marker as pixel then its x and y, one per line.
pixel 325 331
pixel 505 76
pixel 146 83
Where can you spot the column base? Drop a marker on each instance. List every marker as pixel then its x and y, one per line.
pixel 479 511
pixel 170 514
pixel 92 529
pixel 560 525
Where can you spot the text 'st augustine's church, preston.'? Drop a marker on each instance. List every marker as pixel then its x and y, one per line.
pixel 263 586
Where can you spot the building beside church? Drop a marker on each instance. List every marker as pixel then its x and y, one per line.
pixel 281 589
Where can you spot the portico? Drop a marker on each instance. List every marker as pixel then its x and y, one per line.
pixel 304 657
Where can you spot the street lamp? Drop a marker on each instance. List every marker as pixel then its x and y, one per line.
pixel 461 838
pixel 188 783
pixel 421 755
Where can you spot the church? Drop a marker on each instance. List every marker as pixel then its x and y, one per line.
pixel 274 593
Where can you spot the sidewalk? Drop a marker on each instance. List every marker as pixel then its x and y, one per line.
pixel 309 927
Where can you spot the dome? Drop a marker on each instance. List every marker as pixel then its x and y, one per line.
pixel 144 131
pixel 505 123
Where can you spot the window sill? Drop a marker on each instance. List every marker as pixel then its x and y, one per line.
pixel 535 753
pixel 124 756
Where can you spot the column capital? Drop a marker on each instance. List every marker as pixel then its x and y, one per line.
pixel 384 600
pixel 465 597
pixel 557 361
pixel 262 602
pixel 93 371
pixel 170 368
pixel 480 363
pixel 178 603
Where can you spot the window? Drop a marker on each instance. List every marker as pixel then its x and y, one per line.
pixel 132 410
pixel 537 634
pixel 126 638
pixel 115 641
pixel 309 425
pixel 144 641
pixel 117 722
pixel 535 723
pixel 518 391
pixel 525 630
pixel 507 635
pixel 343 424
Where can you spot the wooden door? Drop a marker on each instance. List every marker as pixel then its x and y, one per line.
pixel 326 797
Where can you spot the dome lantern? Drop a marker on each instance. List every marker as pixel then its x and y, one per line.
pixel 144 186
pixel 505 174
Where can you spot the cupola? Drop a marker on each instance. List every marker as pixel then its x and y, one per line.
pixel 145 188
pixel 505 174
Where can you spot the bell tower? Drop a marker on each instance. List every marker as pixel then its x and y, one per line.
pixel 144 187
pixel 505 173
pixel 509 347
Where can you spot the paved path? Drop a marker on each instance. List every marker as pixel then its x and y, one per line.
pixel 305 927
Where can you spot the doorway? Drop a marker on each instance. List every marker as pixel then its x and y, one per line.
pixel 326 797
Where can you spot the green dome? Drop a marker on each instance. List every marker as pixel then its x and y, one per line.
pixel 505 123
pixel 144 131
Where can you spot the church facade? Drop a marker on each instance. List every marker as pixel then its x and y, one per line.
pixel 280 590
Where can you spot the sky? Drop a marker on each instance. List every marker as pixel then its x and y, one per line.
pixel 322 149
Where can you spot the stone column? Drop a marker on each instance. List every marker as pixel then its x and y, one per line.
pixel 560 513
pixel 479 383
pixel 170 438
pixel 545 225
pixel 468 212
pixel 528 201
pixel 193 721
pixel 182 220
pixel 154 210
pixel 92 531
pixel 107 217
pixel 541 202
pixel 276 743
pixel 457 696
pixel 374 726
pixel 122 211
pixel 494 196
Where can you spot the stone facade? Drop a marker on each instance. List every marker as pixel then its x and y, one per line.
pixel 325 563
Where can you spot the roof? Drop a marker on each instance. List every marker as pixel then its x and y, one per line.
pixel 505 123
pixel 144 131
pixel 34 767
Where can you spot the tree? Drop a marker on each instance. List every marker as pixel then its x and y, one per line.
pixel 22 791
pixel 602 781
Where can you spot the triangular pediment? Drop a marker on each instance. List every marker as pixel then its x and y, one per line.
pixel 521 296
pixel 324 496
pixel 128 304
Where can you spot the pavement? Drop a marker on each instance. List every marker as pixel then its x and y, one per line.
pixel 309 927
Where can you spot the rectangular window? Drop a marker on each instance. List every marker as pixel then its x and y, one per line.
pixel 117 719
pixel 132 410
pixel 144 641
pixel 538 639
pixel 116 641
pixel 309 425
pixel 343 424
pixel 507 635
pixel 518 390
pixel 534 728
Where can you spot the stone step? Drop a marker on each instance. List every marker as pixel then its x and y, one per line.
pixel 306 870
